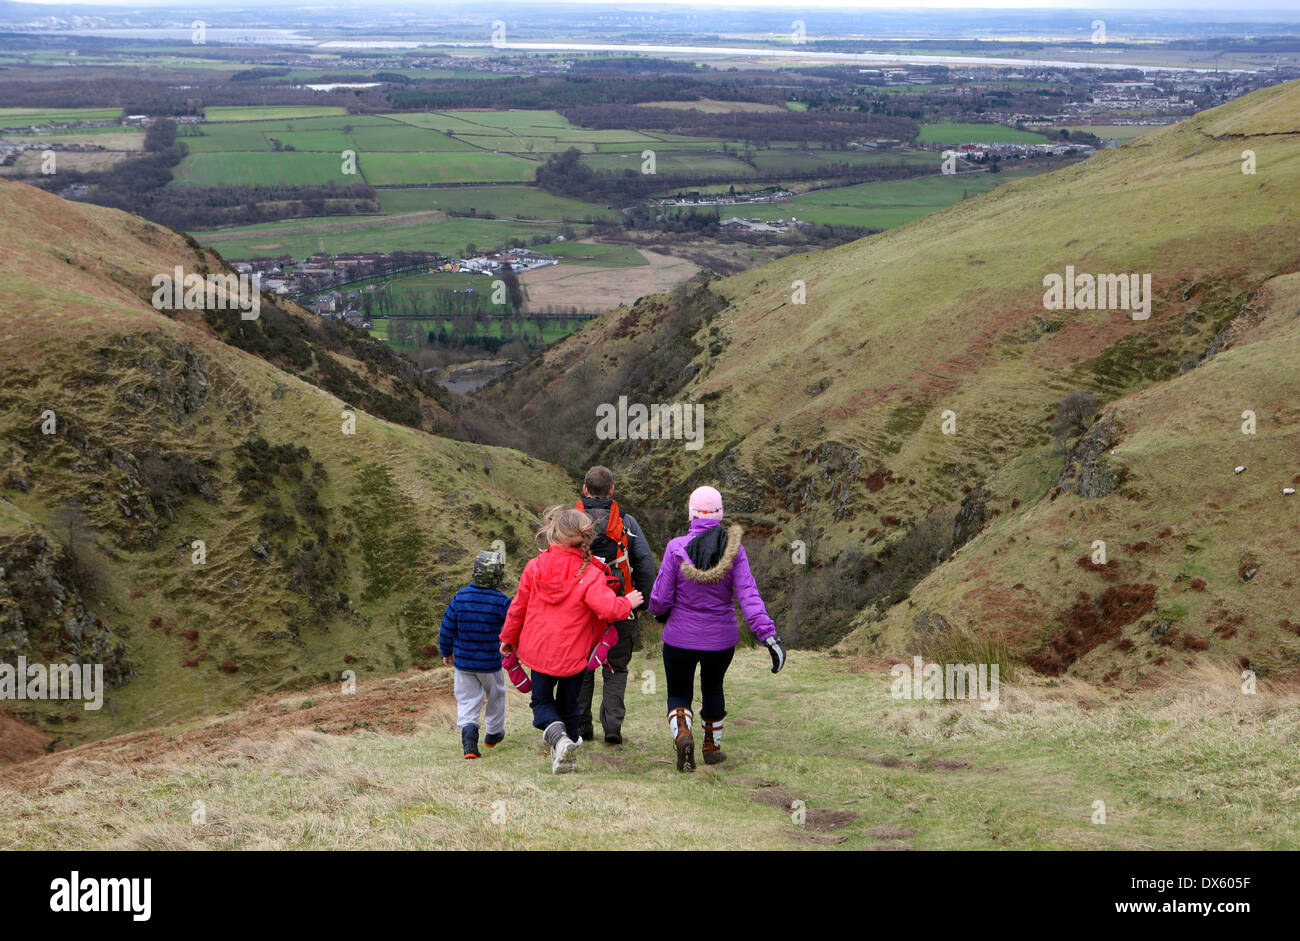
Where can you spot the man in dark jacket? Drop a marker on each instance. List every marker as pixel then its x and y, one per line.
pixel 638 562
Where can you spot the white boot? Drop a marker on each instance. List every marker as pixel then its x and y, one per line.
pixel 564 750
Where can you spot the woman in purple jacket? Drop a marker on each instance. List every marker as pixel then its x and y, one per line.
pixel 702 576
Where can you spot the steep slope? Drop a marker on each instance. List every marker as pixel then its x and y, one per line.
pixel 825 421
pixel 129 435
pixel 1198 560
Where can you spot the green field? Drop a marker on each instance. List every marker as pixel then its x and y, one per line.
pixel 596 255
pixel 402 137
pixel 957 134
pixel 878 205
pixel 404 149
pixel 399 169
pixel 269 113
pixel 301 237
pixel 355 132
pixel 673 163
pixel 511 202
pixel 247 169
pixel 810 161
pixel 24 117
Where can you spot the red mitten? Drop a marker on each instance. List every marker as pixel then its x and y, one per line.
pixel 601 654
pixel 510 663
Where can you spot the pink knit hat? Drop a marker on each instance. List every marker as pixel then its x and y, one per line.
pixel 706 503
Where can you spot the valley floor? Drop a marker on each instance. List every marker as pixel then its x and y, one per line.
pixel 1200 767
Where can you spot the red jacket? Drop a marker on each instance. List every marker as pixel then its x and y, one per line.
pixel 556 618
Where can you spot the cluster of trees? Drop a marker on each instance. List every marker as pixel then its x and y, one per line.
pixel 565 174
pixel 637 65
pixel 131 184
pixel 199 207
pixel 560 92
pixel 706 222
pixel 825 128
pixel 459 304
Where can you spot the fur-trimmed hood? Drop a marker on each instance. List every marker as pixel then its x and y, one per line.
pixel 717 571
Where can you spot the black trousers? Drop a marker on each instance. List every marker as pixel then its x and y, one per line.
pixel 679 669
pixel 555 699
pixel 614 673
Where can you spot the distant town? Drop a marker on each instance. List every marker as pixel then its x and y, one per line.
pixel 316 280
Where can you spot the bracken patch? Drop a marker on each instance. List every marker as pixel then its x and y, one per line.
pixel 1090 622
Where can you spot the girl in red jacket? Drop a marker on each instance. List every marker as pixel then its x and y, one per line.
pixel 557 618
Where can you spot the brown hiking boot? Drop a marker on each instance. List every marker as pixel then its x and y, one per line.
pixel 679 723
pixel 713 753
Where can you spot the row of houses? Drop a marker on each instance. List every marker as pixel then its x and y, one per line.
pixel 731 199
pixel 284 274
pixel 756 225
pixel 345 305
pixel 516 259
pixel 980 152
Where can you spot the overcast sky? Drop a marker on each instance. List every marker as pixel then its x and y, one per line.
pixel 1218 6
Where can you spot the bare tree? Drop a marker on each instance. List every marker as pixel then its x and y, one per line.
pixel 1073 416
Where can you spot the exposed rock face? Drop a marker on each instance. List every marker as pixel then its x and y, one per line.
pixel 121 449
pixel 43 615
pixel 971 517
pixel 1227 337
pixel 833 479
pixel 927 626
pixel 1087 472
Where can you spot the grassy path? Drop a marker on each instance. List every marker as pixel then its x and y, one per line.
pixel 1201 768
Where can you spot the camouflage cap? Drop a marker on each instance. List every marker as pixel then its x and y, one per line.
pixel 489 568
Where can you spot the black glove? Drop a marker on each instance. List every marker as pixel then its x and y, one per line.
pixel 777 649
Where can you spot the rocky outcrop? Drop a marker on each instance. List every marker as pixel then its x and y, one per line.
pixel 971 517
pixel 43 614
pixel 1087 472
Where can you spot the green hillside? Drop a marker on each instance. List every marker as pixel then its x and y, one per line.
pixel 325 550
pixel 825 421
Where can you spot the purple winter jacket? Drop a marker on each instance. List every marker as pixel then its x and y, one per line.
pixel 702 603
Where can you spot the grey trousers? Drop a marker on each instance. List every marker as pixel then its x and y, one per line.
pixel 612 709
pixel 471 689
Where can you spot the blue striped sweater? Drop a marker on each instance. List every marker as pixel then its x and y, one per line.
pixel 471 629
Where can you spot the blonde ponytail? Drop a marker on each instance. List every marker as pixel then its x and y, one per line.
pixel 566 526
